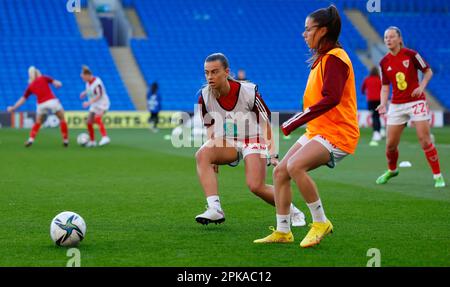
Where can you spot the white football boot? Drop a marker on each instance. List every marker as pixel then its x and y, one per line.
pixel 104 141
pixel 297 217
pixel 211 215
pixel 91 144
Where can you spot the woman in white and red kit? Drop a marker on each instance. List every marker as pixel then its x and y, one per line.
pixel 39 85
pixel 98 103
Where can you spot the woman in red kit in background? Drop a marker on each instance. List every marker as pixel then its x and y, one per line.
pixel 400 68
pixel 47 103
pixel 371 87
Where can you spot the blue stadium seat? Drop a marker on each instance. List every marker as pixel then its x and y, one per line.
pixel 264 37
pixel 43 34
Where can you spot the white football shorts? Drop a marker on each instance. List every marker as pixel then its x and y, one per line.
pixel 49 107
pixel 336 154
pixel 400 114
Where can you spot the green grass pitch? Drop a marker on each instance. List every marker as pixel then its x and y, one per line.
pixel 139 197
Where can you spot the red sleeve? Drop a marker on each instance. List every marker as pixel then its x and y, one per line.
pixel 260 108
pixel 363 87
pixel 335 76
pixel 384 77
pixel 27 93
pixel 419 62
pixel 48 79
pixel 98 91
pixel 207 121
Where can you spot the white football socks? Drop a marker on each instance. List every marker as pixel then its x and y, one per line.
pixel 317 212
pixel 284 223
pixel 214 202
pixel 435 176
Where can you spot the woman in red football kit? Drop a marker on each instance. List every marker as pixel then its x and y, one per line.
pixel 46 103
pixel 371 87
pixel 400 68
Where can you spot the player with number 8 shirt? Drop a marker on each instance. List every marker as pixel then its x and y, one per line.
pixel 399 68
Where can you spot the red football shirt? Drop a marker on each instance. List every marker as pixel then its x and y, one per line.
pixel 40 87
pixel 401 71
pixel 371 88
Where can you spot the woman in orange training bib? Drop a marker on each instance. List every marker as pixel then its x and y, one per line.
pixel 329 110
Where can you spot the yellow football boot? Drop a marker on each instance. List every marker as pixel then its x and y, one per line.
pixel 316 233
pixel 276 237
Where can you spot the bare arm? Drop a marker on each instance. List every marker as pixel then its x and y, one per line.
pixel 17 105
pixel 91 101
pixel 423 85
pixel 268 137
pixel 384 95
pixel 57 84
pixel 95 99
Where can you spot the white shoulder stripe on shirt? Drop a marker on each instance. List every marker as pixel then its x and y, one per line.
pixel 262 109
pixel 296 117
pixel 421 61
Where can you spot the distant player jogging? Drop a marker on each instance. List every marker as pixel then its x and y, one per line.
pixel 154 106
pixel 400 69
pixel 332 132
pixel 47 103
pixel 98 103
pixel 238 125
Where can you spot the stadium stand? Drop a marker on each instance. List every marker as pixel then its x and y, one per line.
pixel 261 36
pixel 43 34
pixel 400 6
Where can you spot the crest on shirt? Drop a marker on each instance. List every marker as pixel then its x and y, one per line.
pixel 406 63
pixel 389 69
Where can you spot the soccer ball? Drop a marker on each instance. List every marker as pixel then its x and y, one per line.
pixel 67 229
pixel 83 139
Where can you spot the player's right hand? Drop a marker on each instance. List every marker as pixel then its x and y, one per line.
pixel 381 109
pixel 10 109
pixel 57 84
pixel 82 95
pixel 216 168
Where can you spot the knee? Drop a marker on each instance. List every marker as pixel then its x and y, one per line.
pixel 255 186
pixel 391 147
pixel 295 168
pixel 425 141
pixel 201 157
pixel 280 173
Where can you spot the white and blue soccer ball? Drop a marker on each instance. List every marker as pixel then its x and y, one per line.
pixel 83 139
pixel 67 229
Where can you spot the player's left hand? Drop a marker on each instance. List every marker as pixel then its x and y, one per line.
pixel 417 92
pixel 10 109
pixel 274 161
pixel 86 104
